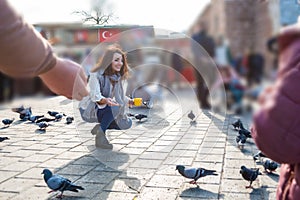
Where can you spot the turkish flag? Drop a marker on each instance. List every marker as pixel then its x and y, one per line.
pixel 108 34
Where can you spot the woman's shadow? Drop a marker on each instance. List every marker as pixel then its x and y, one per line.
pixel 113 167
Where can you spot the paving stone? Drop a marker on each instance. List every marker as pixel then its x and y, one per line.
pixel 34 193
pixel 76 169
pixel 33 173
pixel 115 195
pixel 146 163
pixel 37 158
pixel 238 185
pixel 19 166
pixel 96 177
pixel 6 175
pixel 167 181
pixel 55 163
pixel 155 155
pixel 125 185
pixel 154 193
pixel 7 195
pixel 17 184
pixel 178 160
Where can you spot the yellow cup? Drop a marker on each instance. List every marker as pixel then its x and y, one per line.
pixel 137 101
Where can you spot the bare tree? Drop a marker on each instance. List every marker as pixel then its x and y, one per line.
pixel 98 13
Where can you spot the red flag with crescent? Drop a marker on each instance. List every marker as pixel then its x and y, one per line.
pixel 108 34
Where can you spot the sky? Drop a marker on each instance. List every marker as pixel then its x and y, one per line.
pixel 162 14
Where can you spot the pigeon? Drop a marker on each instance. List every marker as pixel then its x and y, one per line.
pixel 25 114
pixel 69 120
pixel 45 119
pixel 241 140
pixel 249 174
pixel 3 138
pixel 245 132
pixel 43 125
pixel 269 165
pixel 58 116
pixel 18 109
pixel 53 113
pixel 238 125
pixel 258 155
pixel 191 115
pixel 33 118
pixel 194 173
pixel 140 116
pixel 59 183
pixel 130 115
pixel 7 122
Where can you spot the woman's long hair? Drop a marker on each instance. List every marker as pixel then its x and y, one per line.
pixel 105 62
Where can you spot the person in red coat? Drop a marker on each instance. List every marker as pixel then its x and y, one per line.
pixel 276 125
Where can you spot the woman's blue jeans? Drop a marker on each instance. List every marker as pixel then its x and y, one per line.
pixel 106 117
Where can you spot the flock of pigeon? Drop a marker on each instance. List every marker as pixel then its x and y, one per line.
pixel 251 174
pixel 54 182
pixel 25 114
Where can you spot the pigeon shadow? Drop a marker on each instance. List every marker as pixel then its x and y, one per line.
pixel 193 123
pixel 65 197
pixel 197 192
pixel 40 131
pixel 256 193
pixel 4 127
pixel 273 176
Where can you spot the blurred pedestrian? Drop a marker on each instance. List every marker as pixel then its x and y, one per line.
pixel 177 65
pixel 255 67
pixel 202 61
pixel 106 90
pixel 276 124
pixel 223 56
pixel 25 53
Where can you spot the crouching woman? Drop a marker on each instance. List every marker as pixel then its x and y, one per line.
pixel 106 90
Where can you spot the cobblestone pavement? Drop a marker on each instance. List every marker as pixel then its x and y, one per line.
pixel 142 163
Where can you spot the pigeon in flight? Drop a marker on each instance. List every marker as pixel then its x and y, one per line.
pixel 18 109
pixel 7 122
pixel 25 114
pixel 191 116
pixel 140 116
pixel 69 120
pixel 269 165
pixel 249 174
pixel 3 138
pixel 241 140
pixel 194 173
pixel 59 183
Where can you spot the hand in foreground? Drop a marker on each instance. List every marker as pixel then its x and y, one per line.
pixel 67 78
